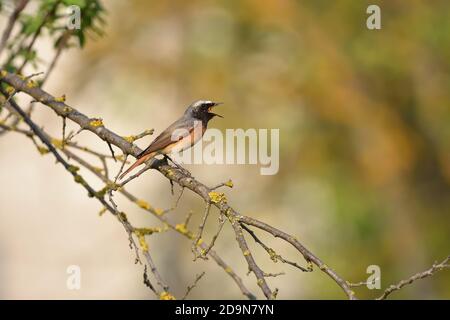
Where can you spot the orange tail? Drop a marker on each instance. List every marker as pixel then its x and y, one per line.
pixel 137 163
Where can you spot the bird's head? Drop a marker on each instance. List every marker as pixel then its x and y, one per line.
pixel 201 110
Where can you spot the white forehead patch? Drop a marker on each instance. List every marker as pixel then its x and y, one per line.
pixel 200 102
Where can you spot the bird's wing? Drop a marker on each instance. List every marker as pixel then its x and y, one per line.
pixel 166 138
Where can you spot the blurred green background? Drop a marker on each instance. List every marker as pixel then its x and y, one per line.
pixel 364 121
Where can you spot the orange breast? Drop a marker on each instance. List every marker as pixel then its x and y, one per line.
pixel 187 141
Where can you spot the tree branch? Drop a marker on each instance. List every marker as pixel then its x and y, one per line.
pixel 421 275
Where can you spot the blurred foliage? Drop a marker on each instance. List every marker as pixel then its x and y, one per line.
pixel 49 18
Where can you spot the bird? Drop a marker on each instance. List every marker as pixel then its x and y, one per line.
pixel 182 134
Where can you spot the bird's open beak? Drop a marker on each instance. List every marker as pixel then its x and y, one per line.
pixel 215 104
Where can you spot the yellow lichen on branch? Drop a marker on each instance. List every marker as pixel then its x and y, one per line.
pixel 166 296
pixel 143 204
pixel 61 98
pixel 130 139
pixel 57 143
pixel 141 237
pixel 96 122
pixel 229 183
pixel 217 197
pixel 149 231
pixel 31 84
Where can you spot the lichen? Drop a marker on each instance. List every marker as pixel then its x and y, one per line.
pixel 181 227
pixel 143 204
pixel 274 294
pixel 57 143
pixel 3 73
pixel 170 173
pixel 73 169
pixel 141 237
pixel 228 212
pixel 78 179
pixel 43 150
pixel 246 253
pixel 67 109
pixel 122 216
pixel 159 211
pixel 96 122
pixel 120 157
pixel 229 184
pixel 273 255
pixel 10 90
pixel 31 84
pixel 323 267
pixel 98 169
pixel 166 296
pixel 148 231
pixel 61 98
pixel 101 193
pixel 102 211
pixel 112 186
pixel 217 197
pixel 130 139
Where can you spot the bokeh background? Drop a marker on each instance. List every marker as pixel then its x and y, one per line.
pixel 364 121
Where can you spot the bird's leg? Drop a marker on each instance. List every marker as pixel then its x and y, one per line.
pixel 178 166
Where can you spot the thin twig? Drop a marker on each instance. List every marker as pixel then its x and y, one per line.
pixel 362 283
pixel 421 275
pixel 252 265
pixel 155 271
pixel 189 288
pixel 148 165
pixel 147 281
pixel 267 275
pixel 228 184
pixel 213 241
pixel 63 140
pixel 112 150
pixel 200 231
pixel 273 255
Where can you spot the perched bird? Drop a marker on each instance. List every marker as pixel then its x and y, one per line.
pixel 182 134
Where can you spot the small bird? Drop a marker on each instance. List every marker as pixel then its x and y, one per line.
pixel 193 123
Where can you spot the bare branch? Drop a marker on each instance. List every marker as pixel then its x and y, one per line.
pixel 189 288
pixel 273 255
pixel 421 275
pixel 147 281
pixel 213 241
pixel 198 238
